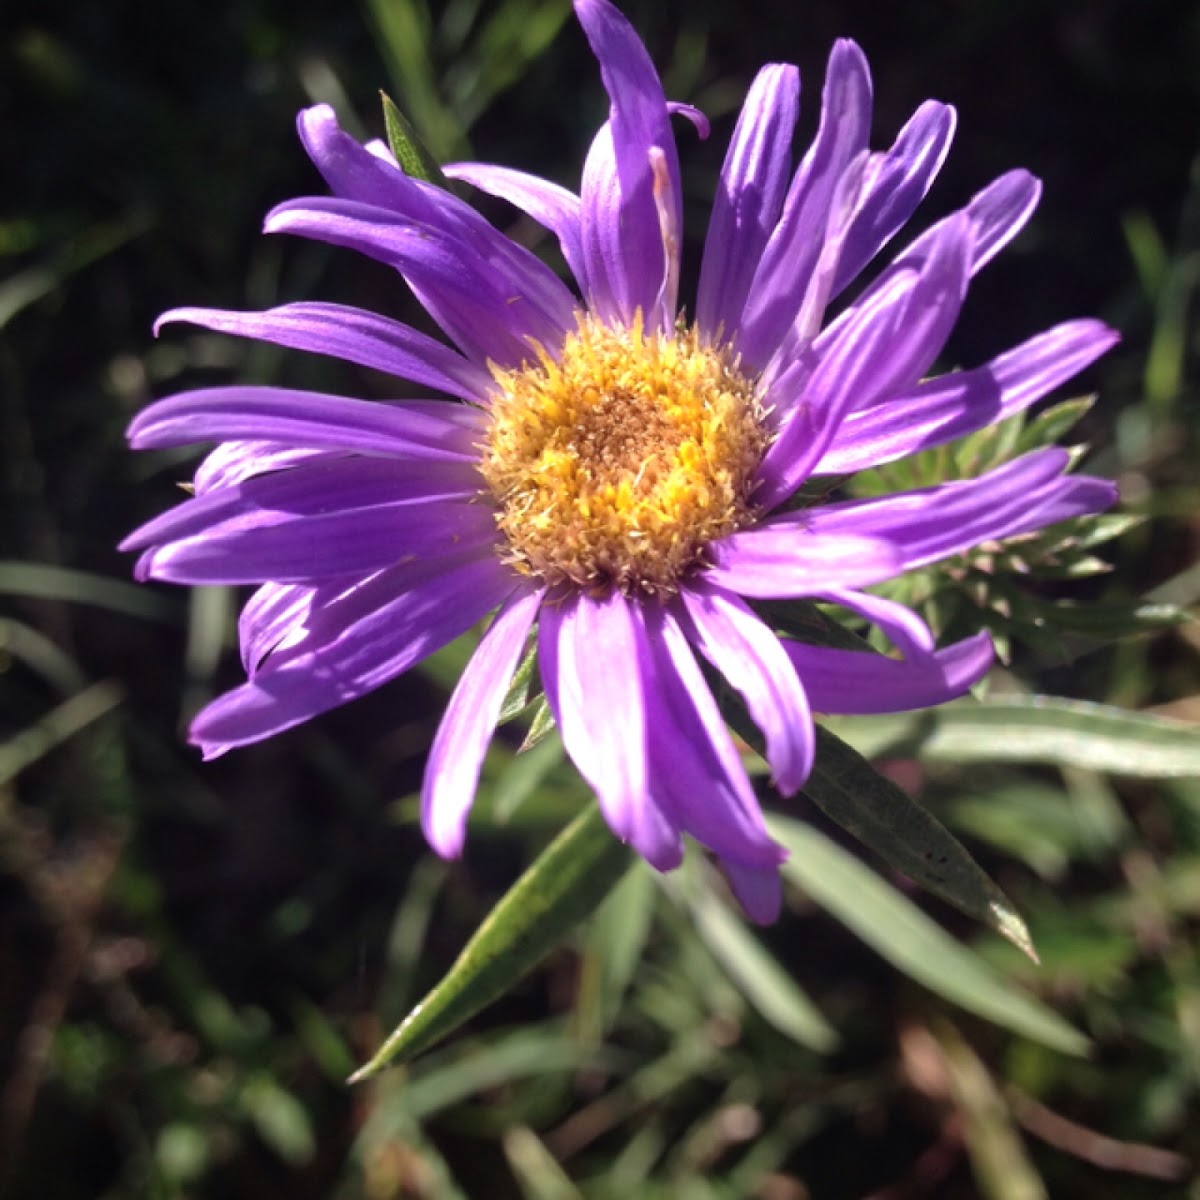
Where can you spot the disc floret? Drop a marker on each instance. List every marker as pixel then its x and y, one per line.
pixel 615 465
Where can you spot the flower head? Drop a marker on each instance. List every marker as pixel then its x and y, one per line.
pixel 610 471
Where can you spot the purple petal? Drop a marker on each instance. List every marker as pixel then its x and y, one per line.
pixel 933 523
pixel 791 255
pixel 759 890
pixel 887 341
pixel 842 681
pixel 592 656
pixel 401 627
pixel 342 518
pixel 329 485
pixel 932 307
pixel 357 172
pixel 749 199
pixel 904 629
pixel 452 772
pixel 896 183
pixel 810 420
pixel 777 562
pixel 275 613
pixel 628 263
pixel 371 177
pixel 230 463
pixel 354 335
pixel 491 307
pixel 939 410
pixel 806 325
pixel 695 768
pixel 749 656
pixel 1073 496
pixel 411 429
pixel 999 213
pixel 308 548
pixel 690 113
pixel 547 203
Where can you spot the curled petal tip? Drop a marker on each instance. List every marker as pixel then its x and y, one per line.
pixel 447 843
pixel 758 890
pixel 171 317
pixel 307 119
pixel 276 220
pixel 143 569
pixel 208 748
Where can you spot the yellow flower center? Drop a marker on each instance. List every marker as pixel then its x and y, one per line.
pixel 616 465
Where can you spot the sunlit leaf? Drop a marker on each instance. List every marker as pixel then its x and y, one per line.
pixel 531 1052
pixel 882 816
pixel 1034 729
pixel 759 977
pixel 537 1172
pixel 616 938
pixel 409 151
pixel 1112 622
pixel 1053 423
pixel 566 882
pixel 540 727
pixel 894 927
pixel 518 690
pixel 281 1120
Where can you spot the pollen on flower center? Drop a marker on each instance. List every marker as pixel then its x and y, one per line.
pixel 617 464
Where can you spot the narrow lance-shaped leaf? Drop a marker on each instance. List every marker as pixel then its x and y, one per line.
pixel 1054 422
pixel 899 932
pixel 752 968
pixel 517 698
pixel 882 816
pixel 409 151
pixel 571 876
pixel 540 727
pixel 1036 729
pixel 1115 622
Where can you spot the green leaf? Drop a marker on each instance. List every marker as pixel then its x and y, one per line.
pixel 759 977
pixel 518 690
pixel 450 1075
pixel 39 581
pixel 613 947
pixel 522 777
pixel 409 150
pixel 540 727
pixel 1097 529
pixel 280 1119
pixel 63 721
pixel 882 816
pixel 999 1160
pixel 988 448
pixel 893 926
pixel 405 36
pixel 538 1173
pixel 1053 423
pixel 1035 729
pixel 1113 622
pixel 567 881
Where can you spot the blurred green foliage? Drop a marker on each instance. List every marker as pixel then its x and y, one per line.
pixel 194 957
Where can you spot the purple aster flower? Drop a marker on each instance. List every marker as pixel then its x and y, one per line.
pixel 609 470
